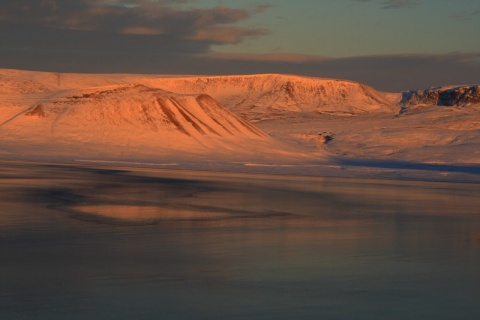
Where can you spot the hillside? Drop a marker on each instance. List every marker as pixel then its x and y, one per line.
pixel 254 97
pixel 451 96
pixel 129 120
pixel 257 97
pixel 289 123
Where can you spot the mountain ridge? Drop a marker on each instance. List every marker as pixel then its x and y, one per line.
pixel 252 96
pixel 443 96
pixel 257 96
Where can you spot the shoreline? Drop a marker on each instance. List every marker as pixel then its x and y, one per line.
pixel 370 170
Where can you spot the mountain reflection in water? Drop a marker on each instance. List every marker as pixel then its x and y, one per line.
pixel 82 242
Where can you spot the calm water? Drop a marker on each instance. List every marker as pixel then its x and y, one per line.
pixel 101 243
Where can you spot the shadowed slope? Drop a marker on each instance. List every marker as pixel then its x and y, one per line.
pixel 461 96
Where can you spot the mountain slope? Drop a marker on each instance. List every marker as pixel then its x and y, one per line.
pixel 132 118
pixel 139 117
pixel 443 96
pixel 256 97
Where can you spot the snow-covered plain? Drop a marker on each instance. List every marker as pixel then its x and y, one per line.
pixel 256 123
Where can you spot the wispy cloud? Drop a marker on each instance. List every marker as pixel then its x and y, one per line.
pixel 267 57
pixel 399 4
pixel 465 15
pixel 394 4
pixel 460 15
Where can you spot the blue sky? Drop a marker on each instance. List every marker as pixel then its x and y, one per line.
pixel 390 44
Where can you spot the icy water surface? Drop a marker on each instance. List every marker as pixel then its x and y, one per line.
pixel 84 242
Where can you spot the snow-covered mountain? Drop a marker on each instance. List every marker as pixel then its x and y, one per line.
pixel 135 109
pixel 443 96
pixel 256 97
pixel 297 120
pixel 132 117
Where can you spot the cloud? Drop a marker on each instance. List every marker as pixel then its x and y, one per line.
pixel 459 16
pixel 223 35
pixel 169 19
pixel 142 31
pixel 175 37
pixel 395 4
pixel 399 4
pixel 465 15
pixel 267 57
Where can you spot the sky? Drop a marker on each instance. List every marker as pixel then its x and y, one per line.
pixel 393 45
